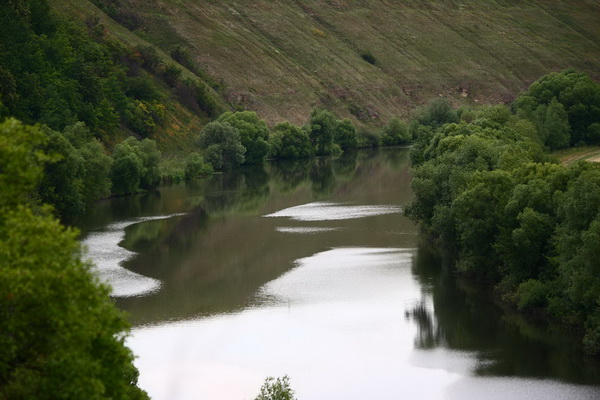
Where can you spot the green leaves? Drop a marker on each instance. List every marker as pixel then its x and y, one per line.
pixel 222 144
pixel 563 106
pixel 254 134
pixel 135 166
pixel 276 389
pixel 531 228
pixel 60 335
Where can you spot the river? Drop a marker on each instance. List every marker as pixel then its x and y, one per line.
pixel 309 269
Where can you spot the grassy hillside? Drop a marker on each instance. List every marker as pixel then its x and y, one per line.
pixel 366 59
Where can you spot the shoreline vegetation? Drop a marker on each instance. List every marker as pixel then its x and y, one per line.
pixel 84 116
pixel 506 210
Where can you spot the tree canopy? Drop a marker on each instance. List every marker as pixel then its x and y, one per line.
pixel 487 191
pixel 61 336
pixel 254 134
pixel 222 145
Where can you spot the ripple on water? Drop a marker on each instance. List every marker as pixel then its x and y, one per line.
pixel 304 230
pixel 327 211
pixel 102 247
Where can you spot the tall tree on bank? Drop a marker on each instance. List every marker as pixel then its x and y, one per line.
pixel 254 134
pixel 61 336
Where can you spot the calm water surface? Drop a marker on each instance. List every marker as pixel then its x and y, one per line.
pixel 308 268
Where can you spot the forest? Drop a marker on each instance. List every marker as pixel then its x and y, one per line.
pixel 489 192
pixel 81 118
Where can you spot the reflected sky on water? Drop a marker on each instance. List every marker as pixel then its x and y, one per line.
pixel 308 268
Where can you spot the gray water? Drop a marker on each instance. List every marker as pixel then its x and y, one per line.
pixel 308 268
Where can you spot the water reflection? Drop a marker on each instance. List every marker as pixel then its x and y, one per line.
pixel 214 258
pixel 329 289
pixel 458 314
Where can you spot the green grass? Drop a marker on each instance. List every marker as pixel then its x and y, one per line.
pixel 281 58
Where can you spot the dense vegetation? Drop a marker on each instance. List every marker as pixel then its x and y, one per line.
pixel 61 336
pixel 487 190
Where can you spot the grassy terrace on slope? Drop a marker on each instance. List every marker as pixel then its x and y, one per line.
pixel 280 58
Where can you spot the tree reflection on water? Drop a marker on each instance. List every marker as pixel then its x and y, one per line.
pixel 457 314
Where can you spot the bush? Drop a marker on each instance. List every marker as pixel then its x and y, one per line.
pixel 531 294
pixel 195 167
pixel 345 135
pixel 276 389
pixel 321 129
pixel 395 133
pixel 367 138
pixel 289 141
pixel 222 145
pixel 368 57
pixel 135 166
pixel 61 335
pixel 254 134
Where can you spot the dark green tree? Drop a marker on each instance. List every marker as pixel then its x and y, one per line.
pixel 289 141
pixel 254 134
pixel 195 167
pixel 576 92
pixel 222 146
pixel 395 132
pixel 61 336
pixel 321 129
pixel 345 135
pixel 135 166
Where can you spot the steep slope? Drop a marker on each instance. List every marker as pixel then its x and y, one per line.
pixel 368 59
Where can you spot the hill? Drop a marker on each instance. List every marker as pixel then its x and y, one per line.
pixel 368 60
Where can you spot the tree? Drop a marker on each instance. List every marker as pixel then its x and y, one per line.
pixel 61 184
pixel 576 92
pixel 276 389
pixel 254 134
pixel 135 166
pixel 96 162
pixel 195 167
pixel 552 125
pixel 61 336
pixel 438 113
pixel 289 141
pixel 79 175
pixel 345 135
pixel 321 128
pixel 222 146
pixel 395 133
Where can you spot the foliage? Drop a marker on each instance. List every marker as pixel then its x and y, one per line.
pixel 54 73
pixel 321 129
pixel 21 162
pixel 579 97
pixel 437 113
pixel 61 336
pixel 195 167
pixel 254 134
pixel 80 176
pixel 289 141
pixel 485 190
pixel 200 94
pixel 395 133
pixel 367 138
pixel 345 135
pixel 276 389
pixel 222 145
pixel 135 166
pixel 368 57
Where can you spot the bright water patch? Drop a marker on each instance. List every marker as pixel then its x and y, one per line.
pixel 304 230
pixel 328 211
pixel 103 249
